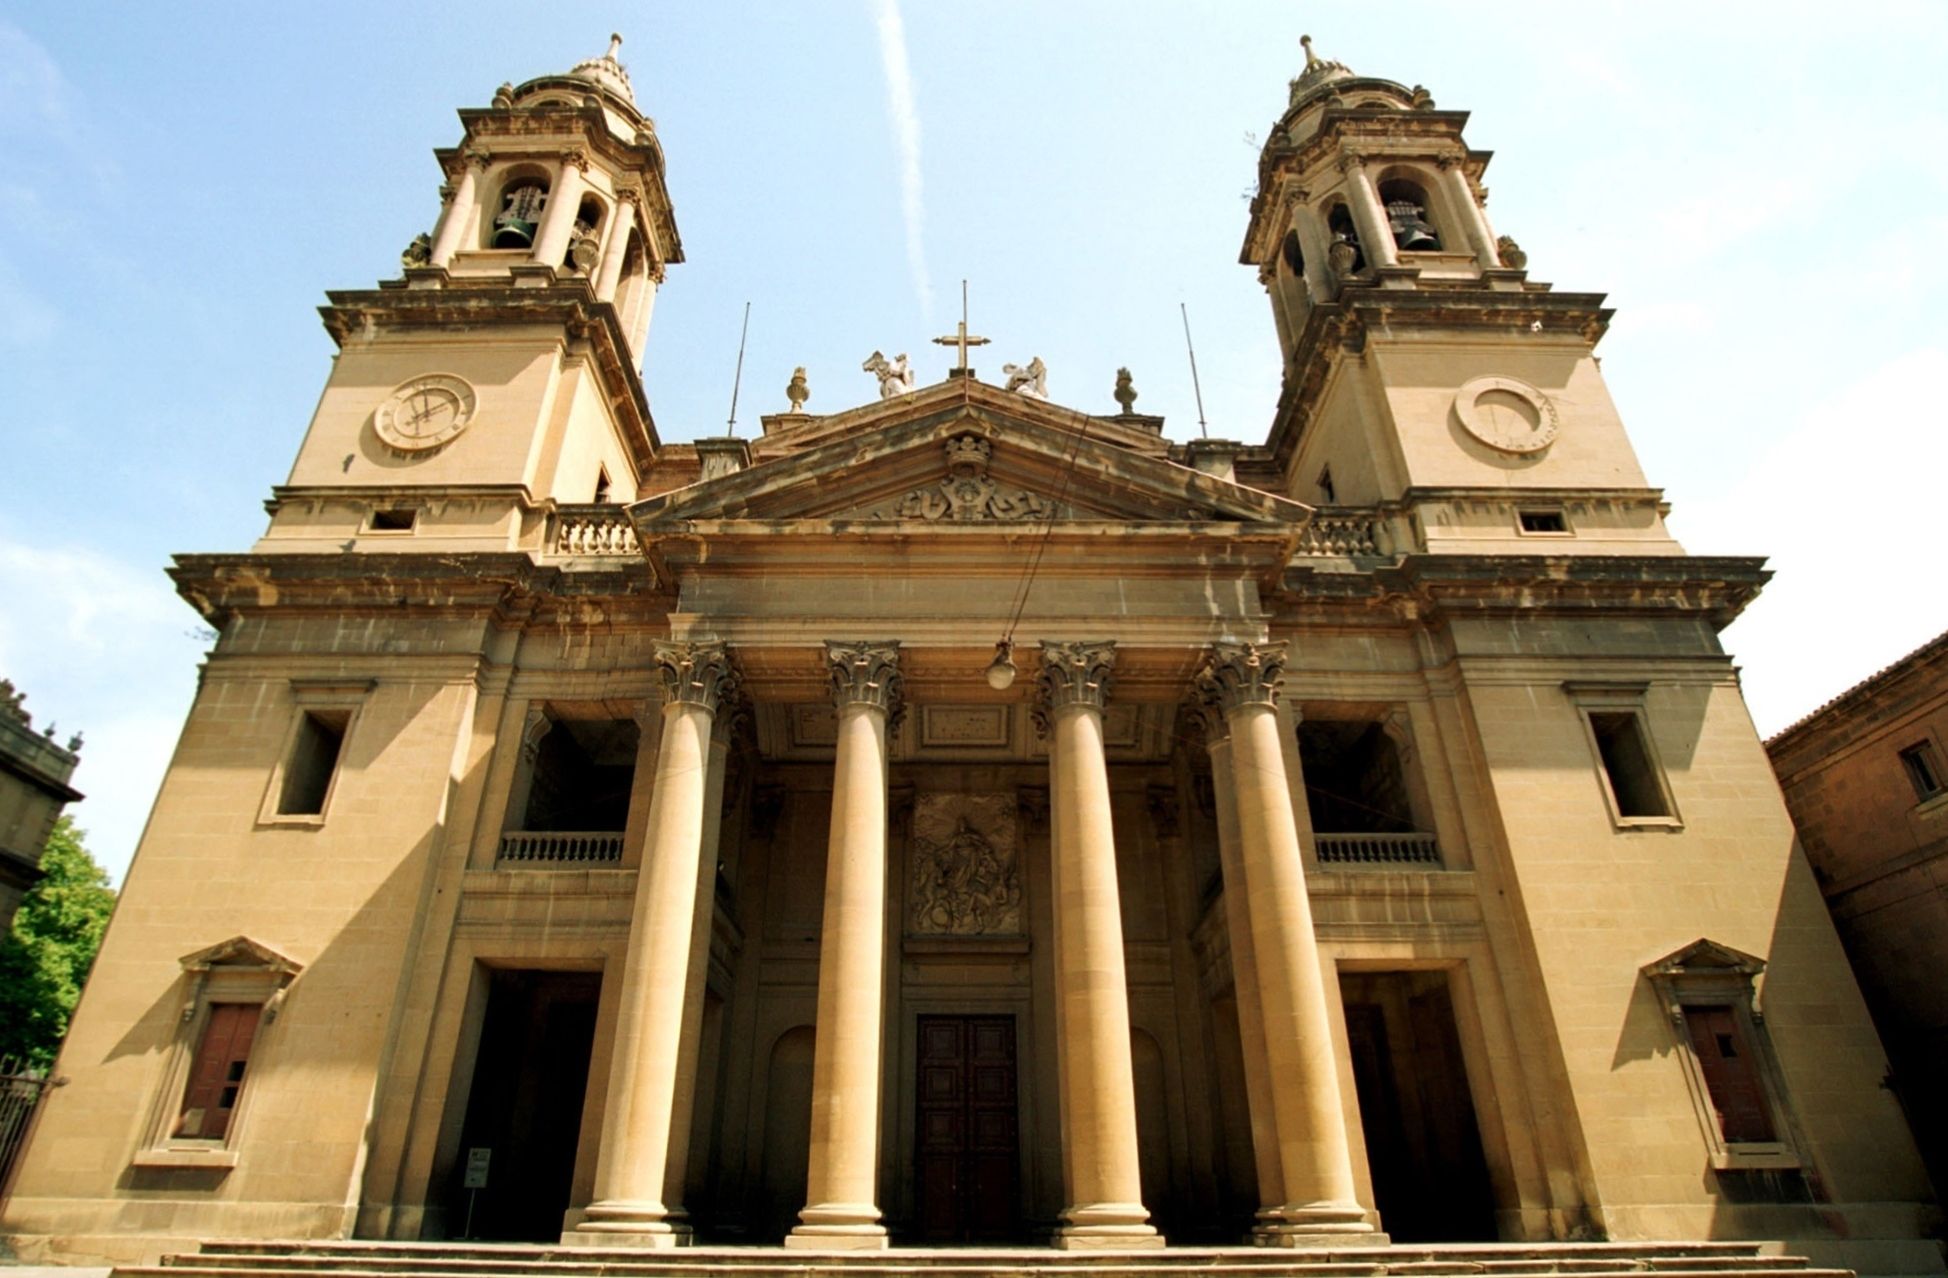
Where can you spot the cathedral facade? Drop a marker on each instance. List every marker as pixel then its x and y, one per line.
pixel 963 818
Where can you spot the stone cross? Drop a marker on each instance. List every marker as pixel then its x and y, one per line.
pixel 960 337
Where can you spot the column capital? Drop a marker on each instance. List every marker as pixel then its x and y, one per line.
pixel 1349 160
pixel 1074 674
pixel 1242 674
pixel 695 673
pixel 632 195
pixel 576 157
pixel 866 673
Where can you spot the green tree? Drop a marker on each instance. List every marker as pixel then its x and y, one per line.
pixel 46 956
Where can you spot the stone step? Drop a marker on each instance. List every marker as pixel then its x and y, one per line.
pixel 340 1258
pixel 1563 1257
pixel 807 1265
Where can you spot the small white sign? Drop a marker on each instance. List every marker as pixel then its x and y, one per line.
pixel 477 1168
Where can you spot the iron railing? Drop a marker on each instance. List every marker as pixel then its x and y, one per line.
pixel 21 1089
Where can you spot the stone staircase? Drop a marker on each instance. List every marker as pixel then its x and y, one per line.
pixel 345 1259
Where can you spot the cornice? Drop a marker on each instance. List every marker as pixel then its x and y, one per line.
pixel 365 312
pixel 1430 587
pixel 507 588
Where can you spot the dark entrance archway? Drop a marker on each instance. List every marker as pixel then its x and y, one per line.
pixel 1430 1179
pixel 525 1106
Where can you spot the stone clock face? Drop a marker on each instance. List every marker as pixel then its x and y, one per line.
pixel 1507 415
pixel 425 412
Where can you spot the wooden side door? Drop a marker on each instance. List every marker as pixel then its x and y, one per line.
pixel 1731 1075
pixel 968 1160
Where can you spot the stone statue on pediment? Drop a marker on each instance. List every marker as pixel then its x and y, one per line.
pixel 895 375
pixel 1030 378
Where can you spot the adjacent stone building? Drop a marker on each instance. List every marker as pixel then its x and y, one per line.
pixel 1865 781
pixel 34 775
pixel 965 817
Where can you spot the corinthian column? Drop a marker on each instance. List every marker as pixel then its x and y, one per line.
pixel 1314 1166
pixel 1101 1175
pixel 629 1207
pixel 1244 971
pixel 840 1188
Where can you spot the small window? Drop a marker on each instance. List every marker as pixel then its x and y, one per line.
pixel 1627 763
pixel 1542 521
pixel 397 520
pixel 216 1074
pixel 314 760
pixel 1923 769
pixel 1325 485
pixel 601 485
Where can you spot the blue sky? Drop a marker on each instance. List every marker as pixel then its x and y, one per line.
pixel 1759 188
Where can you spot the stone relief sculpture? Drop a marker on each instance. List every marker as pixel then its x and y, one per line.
pixel 965 879
pixel 967 493
pixel 895 375
pixel 1029 379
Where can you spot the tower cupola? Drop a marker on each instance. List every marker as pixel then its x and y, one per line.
pixel 559 183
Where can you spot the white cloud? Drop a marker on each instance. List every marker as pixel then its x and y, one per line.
pixel 104 648
pixel 903 111
pixel 1848 507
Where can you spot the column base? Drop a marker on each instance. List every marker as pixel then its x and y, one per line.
pixel 1106 1227
pixel 648 1241
pixel 1106 1238
pixel 623 1223
pixel 837 1238
pixel 1326 1224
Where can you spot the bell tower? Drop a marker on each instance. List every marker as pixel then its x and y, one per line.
pixel 1425 373
pixel 496 378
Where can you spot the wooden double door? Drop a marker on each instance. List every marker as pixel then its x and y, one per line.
pixel 968 1163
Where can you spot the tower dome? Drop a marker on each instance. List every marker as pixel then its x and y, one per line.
pixel 1318 73
pixel 607 72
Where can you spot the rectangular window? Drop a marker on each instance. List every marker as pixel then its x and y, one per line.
pixel 314 759
pixel 216 1075
pixel 398 520
pixel 1542 521
pixel 1731 1074
pixel 1627 764
pixel 1923 769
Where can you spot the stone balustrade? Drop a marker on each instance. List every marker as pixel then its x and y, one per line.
pixel 1352 533
pixel 591 530
pixel 1377 849
pixel 570 847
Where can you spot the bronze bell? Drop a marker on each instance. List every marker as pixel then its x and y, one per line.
pixel 513 233
pixel 1411 231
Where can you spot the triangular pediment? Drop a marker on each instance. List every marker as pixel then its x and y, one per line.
pixel 241 952
pixel 973 456
pixel 1705 957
